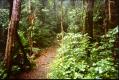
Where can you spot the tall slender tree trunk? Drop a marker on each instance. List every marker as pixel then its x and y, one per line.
pixel 89 18
pixel 31 18
pixel 62 29
pixel 15 17
pixel 106 19
pixel 55 11
pixel 43 17
pixel 30 27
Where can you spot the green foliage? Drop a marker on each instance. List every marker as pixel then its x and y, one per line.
pixel 98 18
pixel 73 28
pixel 98 10
pixel 15 69
pixel 23 39
pixel 73 62
pixel 103 68
pixel 76 19
pixel 71 58
pixel 3 73
pixel 43 29
pixel 43 37
pixel 4 17
pixel 101 57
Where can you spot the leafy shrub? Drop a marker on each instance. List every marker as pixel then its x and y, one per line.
pixel 72 28
pixel 72 61
pixel 24 41
pixel 4 17
pixel 76 19
pixel 3 73
pixel 43 37
pixel 71 58
pixel 102 59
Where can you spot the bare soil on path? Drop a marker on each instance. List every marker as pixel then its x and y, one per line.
pixel 42 65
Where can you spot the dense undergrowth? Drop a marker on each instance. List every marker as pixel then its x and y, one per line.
pixel 78 58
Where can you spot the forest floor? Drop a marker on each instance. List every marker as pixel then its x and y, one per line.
pixel 42 65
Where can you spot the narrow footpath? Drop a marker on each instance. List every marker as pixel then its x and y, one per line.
pixel 42 65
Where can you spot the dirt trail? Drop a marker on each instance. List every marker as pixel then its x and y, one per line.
pixel 42 65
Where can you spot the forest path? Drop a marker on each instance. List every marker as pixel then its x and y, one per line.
pixel 42 65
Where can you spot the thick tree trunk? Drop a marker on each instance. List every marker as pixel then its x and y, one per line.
pixel 116 22
pixel 106 18
pixel 17 36
pixel 117 13
pixel 89 18
pixel 113 7
pixel 15 17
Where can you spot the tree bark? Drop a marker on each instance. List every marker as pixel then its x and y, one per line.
pixel 117 11
pixel 15 17
pixel 17 35
pixel 89 18
pixel 106 18
pixel 113 8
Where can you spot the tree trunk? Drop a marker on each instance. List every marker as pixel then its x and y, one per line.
pixel 117 11
pixel 62 30
pixel 72 2
pixel 17 35
pixel 111 19
pixel 89 18
pixel 31 18
pixel 15 17
pixel 113 7
pixel 116 23
pixel 106 19
pixel 11 6
pixel 43 2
